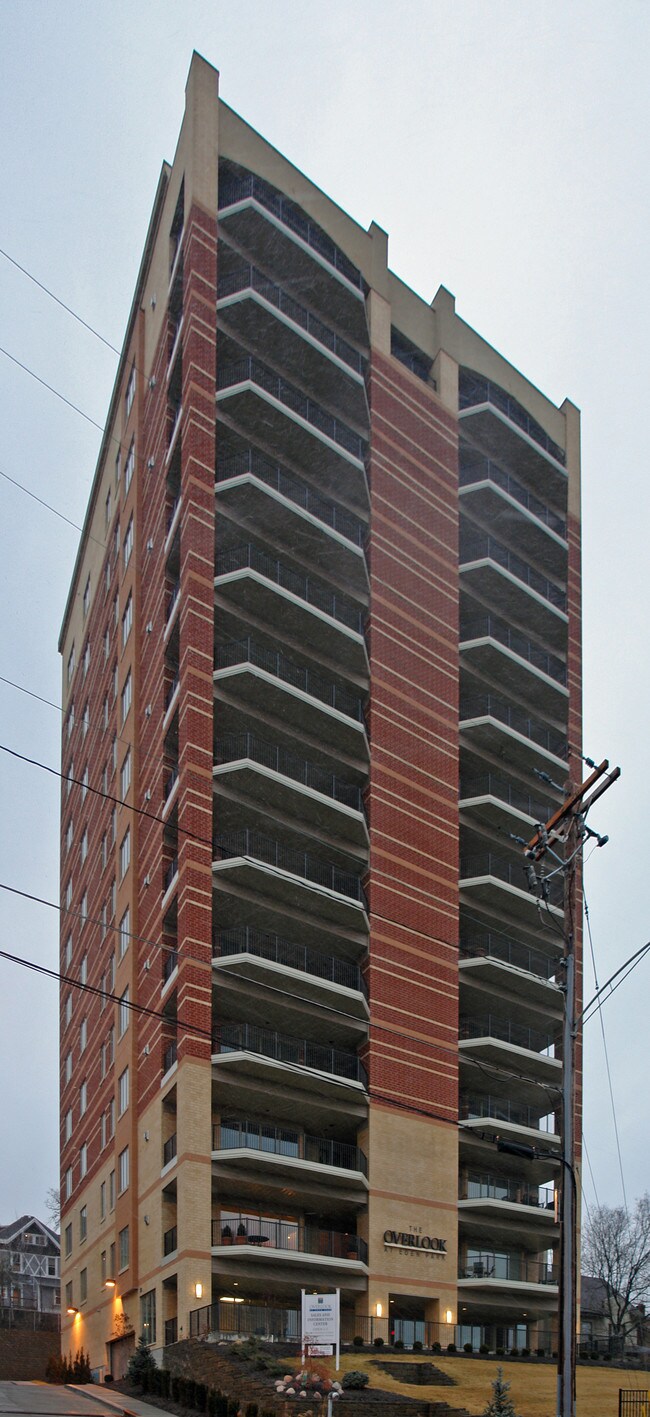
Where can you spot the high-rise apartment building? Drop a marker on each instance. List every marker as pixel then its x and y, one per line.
pixel 321 664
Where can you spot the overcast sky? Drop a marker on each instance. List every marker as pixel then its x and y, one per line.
pixel 504 147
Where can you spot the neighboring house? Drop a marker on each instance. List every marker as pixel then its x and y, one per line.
pixel 29 1266
pixel 596 1320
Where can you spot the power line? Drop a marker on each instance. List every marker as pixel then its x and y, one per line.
pixel 62 303
pixel 49 506
pixel 593 1179
pixel 602 1028
pixel 52 390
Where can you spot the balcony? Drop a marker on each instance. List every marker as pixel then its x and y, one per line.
pixel 283 1141
pixel 516 1269
pixel 170 1241
pixel 267 958
pixel 476 1187
pixel 170 963
pixel 294 1053
pixel 169 1150
pixel 319 798
pixel 290 424
pixel 509 434
pixel 282 237
pixel 263 495
pixel 169 785
pixel 492 646
pixel 495 800
pixel 492 722
pixel 517 1120
pixel 501 502
pixel 513 587
pixel 516 1209
pixel 172 603
pixel 500 883
pixel 260 1160
pixel 488 1032
pixel 318 628
pixel 259 313
pixel 266 680
pixel 170 1056
pixel 505 965
pixel 303 864
pixel 258 1234
pixel 169 875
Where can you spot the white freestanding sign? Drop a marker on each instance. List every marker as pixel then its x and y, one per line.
pixel 321 1322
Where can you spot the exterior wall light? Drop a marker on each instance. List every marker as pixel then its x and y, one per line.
pixel 378 1310
pixel 198 1290
pixel 448 1317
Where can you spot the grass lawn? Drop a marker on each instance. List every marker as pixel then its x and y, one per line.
pixel 533 1385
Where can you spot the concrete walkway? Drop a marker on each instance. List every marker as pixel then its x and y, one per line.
pixel 111 1401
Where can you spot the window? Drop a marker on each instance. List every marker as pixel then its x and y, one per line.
pixel 126 696
pixel 148 1316
pixel 123 1242
pixel 68 1295
pixel 84 846
pixel 67 957
pixel 123 1091
pixel 129 467
pixel 114 682
pixel 67 1132
pixel 125 932
pixel 111 1118
pixel 113 899
pixel 103 852
pixel 85 719
pixel 83 1098
pixel 130 391
pixel 125 853
pixel 123 1008
pixel 83 908
pixel 126 773
pixel 111 1191
pixel 116 610
pixel 111 973
pixel 68 893
pixel 68 1067
pixel 107 578
pixel 114 824
pixel 102 1267
pixel 83 1221
pixel 105 713
pixel 102 1204
pixel 118 467
pixel 83 1035
pixel 68 1183
pixel 83 1286
pixel 127 620
pixel 71 664
pixel 86 660
pixel 104 920
pixel 103 1135
pixel 83 970
pixel 84 783
pixel 86 599
pixel 111 1260
pixel 128 543
pixel 107 509
pixel 107 650
pixel 69 835
pixel 83 1160
pixel 116 542
pixel 68 1241
pixel 67 1012
pixel 69 779
pixel 123 1170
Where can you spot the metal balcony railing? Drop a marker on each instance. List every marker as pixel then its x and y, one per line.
pixel 237 189
pixel 170 1240
pixel 169 872
pixel 171 1331
pixel 170 962
pixel 500 1109
pixel 480 705
pixel 485 945
pixel 169 1150
pixel 244 939
pixel 473 389
pixel 491 785
pixel 248 368
pixel 263 1231
pixel 171 603
pixel 171 690
pixel 248 277
pixel 484 470
pixel 247 651
pixel 236 746
pixel 171 513
pixel 294 490
pixel 476 627
pixel 299 1052
pixel 487 1265
pixel 170 782
pixel 170 1056
pixel 287 858
pixel 283 1141
pixel 488 864
pixel 502 1188
pixel 339 607
pixel 508 1031
pixel 477 546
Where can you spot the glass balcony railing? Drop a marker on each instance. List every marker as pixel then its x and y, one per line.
pixel 170 963
pixel 484 470
pixel 508 1031
pixel 503 1188
pixel 262 1231
pixel 172 601
pixel 171 1331
pixel 170 783
pixel 170 1056
pixel 478 627
pixel 298 1052
pixel 286 1141
pixel 263 848
pixel 479 705
pixel 253 462
pixel 169 1150
pixel 171 689
pixel 247 651
pixel 250 369
pixel 513 872
pixel 236 746
pixel 170 871
pixel 499 1109
pixel 234 189
pixel 244 939
pixel 248 277
pixel 473 390
pixel 338 607
pixel 491 785
pixel 490 946
pixel 170 1240
pixel 478 546
pixel 487 1265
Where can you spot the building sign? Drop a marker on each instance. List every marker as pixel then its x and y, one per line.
pixel 321 1323
pixel 413 1239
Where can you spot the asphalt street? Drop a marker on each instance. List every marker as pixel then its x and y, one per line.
pixel 50 1400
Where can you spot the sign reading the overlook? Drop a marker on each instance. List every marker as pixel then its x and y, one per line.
pixel 414 1240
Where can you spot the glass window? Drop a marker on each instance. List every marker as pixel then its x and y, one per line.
pixel 128 543
pixel 125 852
pixel 83 1159
pixel 84 845
pixel 68 1241
pixel 67 1132
pixel 126 773
pixel 68 1294
pixel 123 1091
pixel 102 1202
pixel 129 467
pixel 69 835
pixel 83 1098
pixel 123 1170
pixel 123 1021
pixel 83 1222
pixel 125 933
pixel 123 1242
pixel 83 1286
pixel 111 1191
pixel 126 696
pixel 102 1267
pixel 127 620
pixel 68 1183
pixel 130 391
pixel 148 1316
pixel 86 601
pixel 83 970
pixel 68 1067
pixel 67 958
pixel 83 1035
pixel 71 663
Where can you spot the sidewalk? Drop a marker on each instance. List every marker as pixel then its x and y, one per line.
pixel 112 1402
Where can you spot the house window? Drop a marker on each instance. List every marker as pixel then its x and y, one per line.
pixel 71 664
pixel 86 657
pixel 123 1170
pixel 123 1242
pixel 107 509
pixel 68 1067
pixel 126 696
pixel 105 713
pixel 103 1132
pixel 67 1010
pixel 85 719
pixel 107 578
pixel 104 920
pixel 68 1241
pixel 129 467
pixel 102 1267
pixel 111 1191
pixel 127 620
pixel 130 391
pixel 148 1316
pixel 111 1117
pixel 68 1295
pixel 123 1091
pixel 83 908
pixel 69 835
pixel 123 1020
pixel 111 973
pixel 83 970
pixel 70 778
pixel 126 773
pixel 125 932
pixel 113 899
pixel 103 852
pixel 83 1160
pixel 83 1286
pixel 84 846
pixel 68 952
pixel 83 1219
pixel 68 893
pixel 68 1183
pixel 107 643
pixel 128 543
pixel 116 542
pixel 125 853
pixel 86 600
pixel 83 1035
pixel 102 1204
pixel 68 1125
pixel 114 818
pixel 118 467
pixel 83 1098
pixel 84 783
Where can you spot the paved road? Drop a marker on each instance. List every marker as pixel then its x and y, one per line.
pixel 49 1400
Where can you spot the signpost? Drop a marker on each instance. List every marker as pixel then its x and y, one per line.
pixel 321 1323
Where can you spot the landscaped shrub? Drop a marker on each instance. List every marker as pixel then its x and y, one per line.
pixel 435 1347
pixel 55 1369
pixel 201 1396
pixel 140 1362
pixel 525 1352
pixel 378 1342
pixel 355 1380
pixel 541 1352
pixel 175 1388
pixel 417 1345
pixel 484 1348
pixel 399 1343
pixel 357 1341
pixel 251 1409
pixel 233 1408
pixel 467 1348
pixel 514 1352
pixel 451 1348
pixel 607 1357
pixel 500 1352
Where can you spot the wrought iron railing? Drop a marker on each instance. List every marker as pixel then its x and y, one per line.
pixel 250 557
pixel 248 651
pixel 536 1040
pixel 500 1109
pixel 244 939
pixel 486 945
pixel 250 369
pixel 488 1265
pixel 169 1149
pixel 505 1188
pixel 170 1240
pixel 491 785
pixel 273 475
pixel 297 1052
pixel 170 1056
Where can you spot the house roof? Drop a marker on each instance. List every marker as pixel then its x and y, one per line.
pixel 26 1222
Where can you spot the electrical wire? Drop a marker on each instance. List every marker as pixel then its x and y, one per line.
pixel 52 390
pixel 93 728
pixel 49 506
pixel 605 1050
pixel 593 1179
pixel 60 302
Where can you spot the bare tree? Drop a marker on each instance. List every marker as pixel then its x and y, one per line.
pixel 53 1207
pixel 616 1250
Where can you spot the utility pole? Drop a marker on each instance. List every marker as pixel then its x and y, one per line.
pixel 567 827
